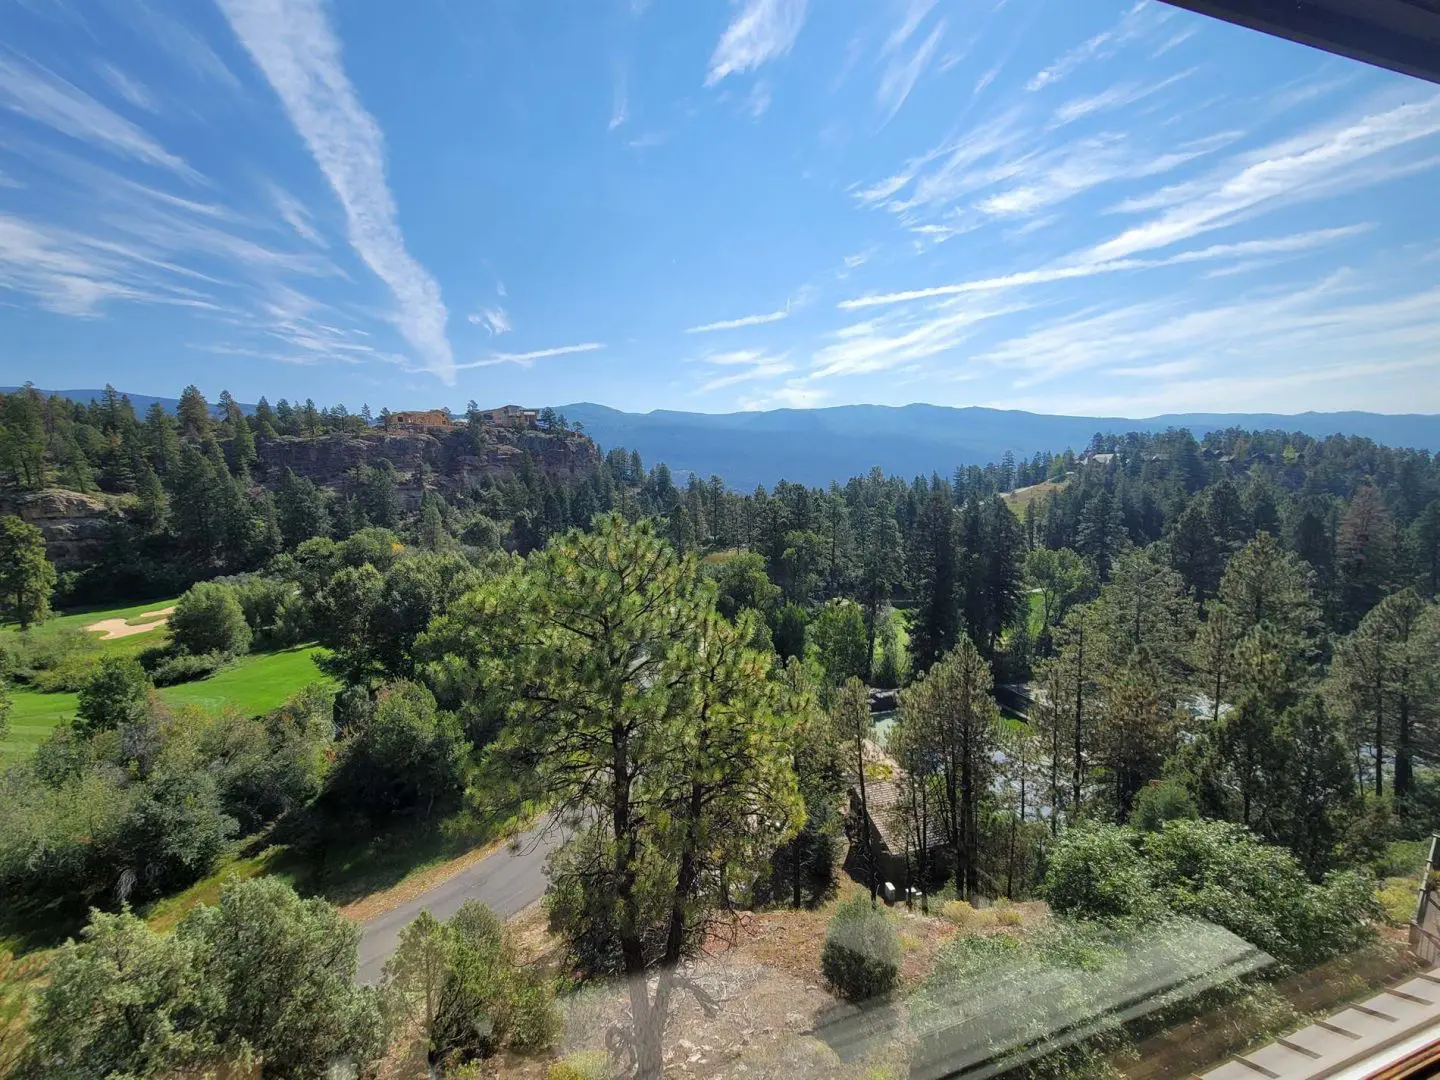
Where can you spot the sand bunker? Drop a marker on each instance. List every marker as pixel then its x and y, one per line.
pixel 118 628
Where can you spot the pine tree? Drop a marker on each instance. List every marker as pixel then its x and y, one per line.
pixel 957 719
pixel 26 576
pixel 1366 552
pixel 936 580
pixel 193 414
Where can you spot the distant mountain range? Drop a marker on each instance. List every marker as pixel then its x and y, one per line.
pixel 815 446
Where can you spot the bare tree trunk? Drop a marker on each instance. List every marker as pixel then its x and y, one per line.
pixel 865 816
pixel 1079 714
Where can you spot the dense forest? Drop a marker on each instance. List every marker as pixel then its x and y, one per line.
pixel 1217 658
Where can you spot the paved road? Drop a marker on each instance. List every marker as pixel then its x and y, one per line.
pixel 506 881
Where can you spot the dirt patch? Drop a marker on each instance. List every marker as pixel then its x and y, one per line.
pixel 109 629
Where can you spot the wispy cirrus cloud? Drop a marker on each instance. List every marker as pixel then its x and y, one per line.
pixel 742 321
pixel 620 100
pixel 46 98
pixel 296 215
pixel 183 45
pixel 902 73
pixel 495 320
pixel 1137 21
pixel 792 394
pixel 742 366
pixel 525 359
pixel 1323 161
pixel 761 31
pixel 1300 330
pixel 1073 270
pixel 294 45
pixel 1115 97
pixel 131 89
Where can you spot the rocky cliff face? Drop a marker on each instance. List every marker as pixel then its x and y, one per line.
pixel 74 525
pixel 451 456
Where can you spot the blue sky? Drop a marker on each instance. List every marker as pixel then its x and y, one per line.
pixel 1065 206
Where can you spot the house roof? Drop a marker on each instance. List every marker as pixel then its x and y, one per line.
pixel 1402 35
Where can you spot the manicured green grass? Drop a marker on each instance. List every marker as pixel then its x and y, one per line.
pixel 32 715
pixel 83 617
pixel 254 684
pixel 1035 613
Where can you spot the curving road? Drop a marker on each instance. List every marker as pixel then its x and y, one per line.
pixel 506 881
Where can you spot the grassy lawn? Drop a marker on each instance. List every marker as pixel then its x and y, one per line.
pixel 32 715
pixel 255 684
pixel 83 617
pixel 1018 499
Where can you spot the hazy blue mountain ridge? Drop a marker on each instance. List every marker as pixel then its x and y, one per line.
pixel 816 446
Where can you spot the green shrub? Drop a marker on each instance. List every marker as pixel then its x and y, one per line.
pixel 52 660
pixel 1097 872
pixel 861 956
pixel 407 758
pixel 1159 803
pixel 209 618
pixel 1009 916
pixel 586 1065
pixel 116 694
pixel 187 667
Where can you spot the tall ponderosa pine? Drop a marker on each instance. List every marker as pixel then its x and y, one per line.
pixel 26 576
pixel 956 719
pixel 643 717
pixel 935 577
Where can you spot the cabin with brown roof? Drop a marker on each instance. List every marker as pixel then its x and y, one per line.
pixel 419 421
pixel 509 416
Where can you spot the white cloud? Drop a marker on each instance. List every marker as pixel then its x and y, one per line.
pixel 1117 96
pixel 620 103
pixel 1069 271
pixel 758 103
pixel 888 342
pixel 132 90
pixel 741 366
pixel 294 45
pixel 915 12
pixel 763 30
pixel 48 99
pixel 184 45
pixel 1323 161
pixel 1295 329
pixel 1135 22
pixel 295 214
pixel 495 320
pixel 746 320
pixel 793 394
pixel 70 273
pixel 525 359
pixel 901 75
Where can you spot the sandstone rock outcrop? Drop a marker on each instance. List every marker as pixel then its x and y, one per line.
pixel 455 462
pixel 74 524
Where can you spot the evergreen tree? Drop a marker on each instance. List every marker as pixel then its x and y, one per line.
pixel 1366 551
pixel 27 577
pixel 193 414
pixel 935 579
pixel 301 509
pixel 161 440
pixel 957 718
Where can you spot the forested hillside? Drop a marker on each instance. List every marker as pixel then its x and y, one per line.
pixel 1219 661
